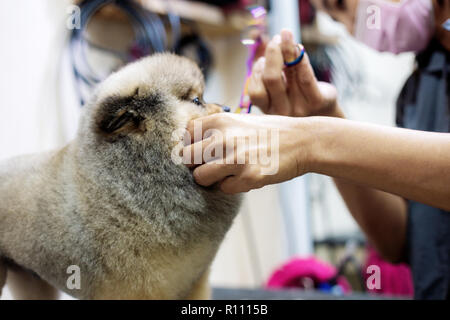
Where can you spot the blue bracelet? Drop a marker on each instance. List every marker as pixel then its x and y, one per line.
pixel 296 61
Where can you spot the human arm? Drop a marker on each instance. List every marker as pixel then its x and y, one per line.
pixel 382 216
pixel 409 164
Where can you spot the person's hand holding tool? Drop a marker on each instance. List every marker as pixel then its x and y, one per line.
pixel 283 82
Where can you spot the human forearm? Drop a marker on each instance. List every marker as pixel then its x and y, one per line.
pixel 412 164
pixel 381 215
pixel 361 157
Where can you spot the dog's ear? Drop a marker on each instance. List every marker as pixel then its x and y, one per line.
pixel 122 121
pixel 117 116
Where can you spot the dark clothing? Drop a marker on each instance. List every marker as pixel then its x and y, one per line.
pixel 424 104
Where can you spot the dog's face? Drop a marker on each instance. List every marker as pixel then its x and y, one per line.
pixel 161 90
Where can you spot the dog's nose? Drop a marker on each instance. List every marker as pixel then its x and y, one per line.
pixel 226 108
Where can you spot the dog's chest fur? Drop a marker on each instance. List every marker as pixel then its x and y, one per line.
pixel 164 241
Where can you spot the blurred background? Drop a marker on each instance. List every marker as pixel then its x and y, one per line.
pixel 53 52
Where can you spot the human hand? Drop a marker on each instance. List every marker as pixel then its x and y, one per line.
pixel 245 152
pixel 289 91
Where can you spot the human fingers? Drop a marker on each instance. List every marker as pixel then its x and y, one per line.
pixel 273 78
pixel 193 154
pixel 210 173
pixel 291 51
pixel 256 88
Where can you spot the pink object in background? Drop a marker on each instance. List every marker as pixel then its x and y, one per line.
pixel 395 27
pixel 292 274
pixel 395 280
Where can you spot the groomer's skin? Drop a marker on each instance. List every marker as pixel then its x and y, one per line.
pixel 374 167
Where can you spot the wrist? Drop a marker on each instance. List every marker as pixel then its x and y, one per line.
pixel 315 143
pixel 319 143
pixel 304 144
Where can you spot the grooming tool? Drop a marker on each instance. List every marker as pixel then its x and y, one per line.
pixel 258 23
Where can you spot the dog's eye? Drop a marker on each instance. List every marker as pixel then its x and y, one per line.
pixel 197 101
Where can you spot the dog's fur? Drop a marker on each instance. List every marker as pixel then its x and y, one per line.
pixel 112 201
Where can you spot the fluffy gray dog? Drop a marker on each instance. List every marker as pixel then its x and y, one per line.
pixel 112 202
